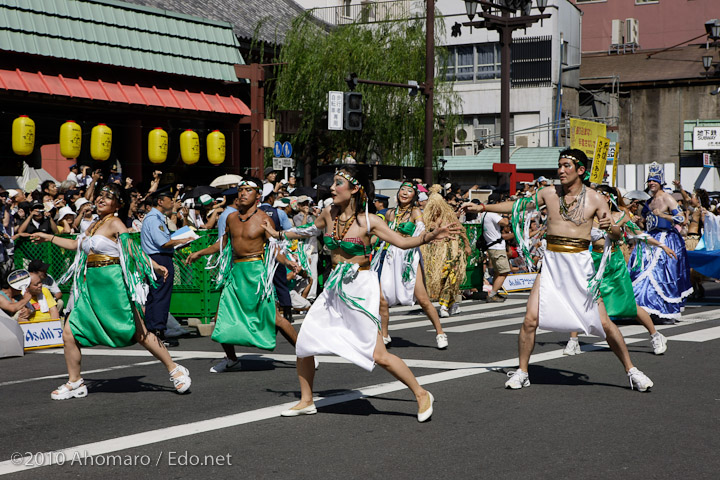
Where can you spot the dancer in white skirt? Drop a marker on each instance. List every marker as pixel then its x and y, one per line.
pixel 563 298
pixel 344 320
pixel 401 276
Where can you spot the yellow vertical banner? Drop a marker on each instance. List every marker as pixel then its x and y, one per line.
pixel 615 165
pixel 597 172
pixel 583 134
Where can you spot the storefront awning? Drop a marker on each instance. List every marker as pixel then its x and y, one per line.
pixel 118 92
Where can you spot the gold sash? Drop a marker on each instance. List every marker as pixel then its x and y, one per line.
pixel 560 244
pixel 96 260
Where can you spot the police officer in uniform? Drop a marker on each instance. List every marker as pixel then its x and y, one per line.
pixel 156 243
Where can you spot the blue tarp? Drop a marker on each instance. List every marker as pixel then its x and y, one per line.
pixel 706 262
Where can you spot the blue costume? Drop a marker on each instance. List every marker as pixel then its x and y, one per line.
pixel 661 283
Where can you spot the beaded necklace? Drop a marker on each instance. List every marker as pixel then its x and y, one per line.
pixel 98 224
pixel 347 223
pixel 574 211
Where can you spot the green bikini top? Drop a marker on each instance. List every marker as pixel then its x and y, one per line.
pixel 354 248
pixel 406 228
pixel 351 248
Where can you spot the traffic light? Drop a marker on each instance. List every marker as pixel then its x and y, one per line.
pixel 352 110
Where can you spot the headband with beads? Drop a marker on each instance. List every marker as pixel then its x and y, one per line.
pixel 579 162
pixel 111 192
pixel 347 177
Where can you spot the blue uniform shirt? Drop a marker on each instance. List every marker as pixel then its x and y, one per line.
pixel 222 221
pixel 155 233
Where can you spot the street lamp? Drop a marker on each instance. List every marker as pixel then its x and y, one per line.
pixel 707 61
pixel 712 27
pixel 505 24
pixel 471 8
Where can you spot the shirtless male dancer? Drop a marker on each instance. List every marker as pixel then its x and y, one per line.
pixel 246 317
pixel 560 299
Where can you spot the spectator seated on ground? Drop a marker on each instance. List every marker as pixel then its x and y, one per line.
pixel 12 301
pixel 41 268
pixel 45 307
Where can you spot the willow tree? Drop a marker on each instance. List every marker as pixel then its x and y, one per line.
pixel 315 61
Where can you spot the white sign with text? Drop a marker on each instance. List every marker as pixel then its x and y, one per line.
pixel 519 282
pixel 706 138
pixel 335 110
pixel 42 334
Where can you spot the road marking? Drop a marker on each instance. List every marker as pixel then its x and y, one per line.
pixel 260 357
pixel 698 336
pixel 491 324
pixel 65 375
pixel 630 330
pixel 179 431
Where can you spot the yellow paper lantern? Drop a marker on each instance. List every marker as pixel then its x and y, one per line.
pixel 23 135
pixel 100 142
pixel 157 145
pixel 70 139
pixel 216 147
pixel 189 147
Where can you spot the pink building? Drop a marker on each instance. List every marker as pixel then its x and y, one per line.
pixel 660 23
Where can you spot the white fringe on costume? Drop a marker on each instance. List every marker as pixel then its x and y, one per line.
pixel 334 326
pixel 564 294
pixel 396 290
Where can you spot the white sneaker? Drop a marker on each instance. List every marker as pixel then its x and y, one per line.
pixel 226 365
pixel 444 312
pixel 387 340
pixel 518 379
pixel 639 380
pixel 454 309
pixel 572 347
pixel 659 343
pixel 441 340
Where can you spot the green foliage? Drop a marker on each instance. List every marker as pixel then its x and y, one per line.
pixel 317 61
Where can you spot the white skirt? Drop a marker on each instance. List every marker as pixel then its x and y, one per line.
pixel 566 304
pixel 333 326
pixel 394 288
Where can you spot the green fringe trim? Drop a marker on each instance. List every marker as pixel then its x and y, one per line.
pixel 335 284
pixel 136 267
pixel 520 222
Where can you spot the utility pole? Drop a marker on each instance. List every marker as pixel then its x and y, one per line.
pixel 428 89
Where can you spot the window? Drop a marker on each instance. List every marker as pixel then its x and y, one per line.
pixel 531 62
pixel 642 2
pixel 346 8
pixel 488 61
pixel 468 63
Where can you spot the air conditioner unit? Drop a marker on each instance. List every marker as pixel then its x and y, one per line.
pixel 618 32
pixel 463 149
pixel 463 134
pixel 521 140
pixel 632 31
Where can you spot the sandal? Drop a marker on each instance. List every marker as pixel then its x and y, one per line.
pixel 70 390
pixel 182 382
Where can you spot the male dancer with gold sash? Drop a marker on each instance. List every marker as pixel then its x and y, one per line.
pixel 561 299
pixel 246 314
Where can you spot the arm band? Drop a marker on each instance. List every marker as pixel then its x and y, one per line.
pixel 677 216
pixel 307 230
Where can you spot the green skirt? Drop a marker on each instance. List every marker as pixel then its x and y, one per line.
pixel 243 317
pixel 616 288
pixel 103 314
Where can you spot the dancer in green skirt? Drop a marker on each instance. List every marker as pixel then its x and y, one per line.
pixel 108 271
pixel 246 315
pixel 616 287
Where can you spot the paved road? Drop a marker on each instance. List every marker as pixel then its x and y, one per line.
pixel 579 419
